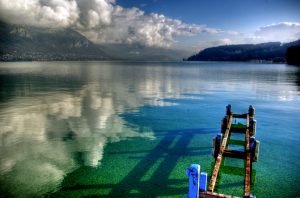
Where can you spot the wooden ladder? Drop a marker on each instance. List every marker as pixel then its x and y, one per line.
pixel 223 152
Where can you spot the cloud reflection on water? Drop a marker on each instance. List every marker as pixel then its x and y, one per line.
pixel 55 126
pixel 40 141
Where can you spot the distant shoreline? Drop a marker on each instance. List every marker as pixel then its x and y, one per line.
pixel 272 52
pixel 166 61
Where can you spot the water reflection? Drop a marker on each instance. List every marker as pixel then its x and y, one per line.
pixel 297 78
pixel 56 117
pixel 41 137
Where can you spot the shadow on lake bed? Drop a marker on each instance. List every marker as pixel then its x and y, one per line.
pixel 150 175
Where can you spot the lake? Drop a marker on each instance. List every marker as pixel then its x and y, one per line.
pixel 130 129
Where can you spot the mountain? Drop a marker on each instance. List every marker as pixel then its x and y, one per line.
pixel 30 43
pixel 19 43
pixel 139 52
pixel 273 51
pixel 293 55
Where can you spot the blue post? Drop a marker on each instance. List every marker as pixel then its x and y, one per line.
pixel 203 182
pixel 193 172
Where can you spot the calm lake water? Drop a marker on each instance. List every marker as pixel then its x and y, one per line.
pixel 110 129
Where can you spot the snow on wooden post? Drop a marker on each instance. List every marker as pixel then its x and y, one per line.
pixel 193 172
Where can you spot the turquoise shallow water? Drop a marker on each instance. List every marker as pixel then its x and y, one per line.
pixel 110 129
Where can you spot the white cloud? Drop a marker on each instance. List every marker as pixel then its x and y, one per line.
pixel 283 32
pixel 234 33
pixel 212 43
pixel 102 21
pixel 225 41
pixel 132 25
pixel 53 13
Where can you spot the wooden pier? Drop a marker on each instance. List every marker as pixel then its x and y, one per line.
pixel 220 150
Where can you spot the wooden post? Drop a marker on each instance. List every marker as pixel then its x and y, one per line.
pixel 248 161
pixel 228 109
pixel 251 111
pixel 224 124
pixel 213 179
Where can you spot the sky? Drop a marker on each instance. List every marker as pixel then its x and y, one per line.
pixel 186 24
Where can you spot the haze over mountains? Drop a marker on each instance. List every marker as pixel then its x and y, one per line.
pixel 26 43
pixel 19 42
pixel 138 30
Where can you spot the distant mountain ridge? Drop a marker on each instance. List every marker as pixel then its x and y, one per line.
pixel 272 51
pixel 293 55
pixel 29 43
pixel 25 43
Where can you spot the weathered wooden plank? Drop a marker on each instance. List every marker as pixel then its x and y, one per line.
pixel 236 142
pixel 238 130
pixel 219 158
pixel 248 161
pixel 248 175
pixel 214 195
pixel 239 115
pixel 214 176
pixel 233 170
pixel 226 135
pixel 234 154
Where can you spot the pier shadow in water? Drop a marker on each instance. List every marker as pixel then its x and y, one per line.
pixel 160 161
